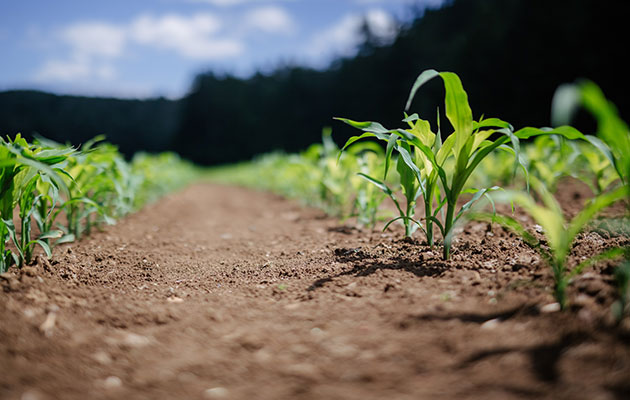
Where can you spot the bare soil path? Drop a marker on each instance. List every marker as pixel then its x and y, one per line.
pixel 219 292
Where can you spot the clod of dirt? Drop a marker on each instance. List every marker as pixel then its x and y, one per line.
pixel 9 282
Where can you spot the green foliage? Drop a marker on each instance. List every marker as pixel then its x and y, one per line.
pixel 613 134
pixel 439 171
pixel 558 231
pixel 41 181
pixel 318 176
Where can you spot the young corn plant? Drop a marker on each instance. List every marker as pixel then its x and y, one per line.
pixel 368 196
pixel 22 166
pixel 613 134
pixel 559 232
pixel 422 157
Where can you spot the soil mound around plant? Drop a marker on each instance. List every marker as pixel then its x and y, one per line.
pixel 218 292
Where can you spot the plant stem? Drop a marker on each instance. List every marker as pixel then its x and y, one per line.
pixel 448 226
pixel 428 211
pixel 407 220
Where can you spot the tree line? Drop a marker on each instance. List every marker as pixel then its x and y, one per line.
pixel 510 54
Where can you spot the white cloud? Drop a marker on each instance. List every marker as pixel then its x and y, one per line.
pixel 344 37
pixel 95 38
pixel 230 3
pixel 74 69
pixel 382 24
pixel 420 3
pixel 193 37
pixel 270 19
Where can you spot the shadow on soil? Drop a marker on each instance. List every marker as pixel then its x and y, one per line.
pixel 544 357
pixel 365 265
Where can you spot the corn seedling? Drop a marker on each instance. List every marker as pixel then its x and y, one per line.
pixel 422 157
pixel 613 134
pixel 368 197
pixel 41 181
pixel 22 167
pixel 559 233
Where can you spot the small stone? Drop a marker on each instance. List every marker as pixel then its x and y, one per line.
pixel 490 324
pixel 135 340
pixel 538 228
pixel 175 299
pixel 216 393
pixel 112 382
pixel 48 325
pixel 317 332
pixel 550 308
pixel 102 357
pixel 32 394
pixel 292 306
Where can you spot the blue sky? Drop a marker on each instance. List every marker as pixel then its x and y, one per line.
pixel 146 48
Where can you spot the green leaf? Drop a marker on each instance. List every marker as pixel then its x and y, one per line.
pixel 605 150
pixel 593 207
pixel 473 200
pixel 564 104
pixel 609 254
pixel 373 127
pixel 50 235
pixel 566 131
pixel 423 78
pixel 391 144
pixel 404 218
pixel 491 123
pixel 458 110
pixel 65 239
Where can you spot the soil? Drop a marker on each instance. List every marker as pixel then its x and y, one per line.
pixel 218 292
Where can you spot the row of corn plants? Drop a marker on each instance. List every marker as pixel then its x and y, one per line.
pixel 52 193
pixel 319 177
pixel 435 176
pixel 437 172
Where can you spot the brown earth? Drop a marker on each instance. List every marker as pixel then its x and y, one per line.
pixel 219 292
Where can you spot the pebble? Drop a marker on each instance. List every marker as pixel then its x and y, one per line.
pixel 112 382
pixel 135 340
pixel 216 393
pixel 303 370
pixel 175 299
pixel 550 308
pixel 102 358
pixel 490 324
pixel 32 395
pixel 48 325
pixel 292 306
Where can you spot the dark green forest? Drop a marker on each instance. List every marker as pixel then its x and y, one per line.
pixel 510 54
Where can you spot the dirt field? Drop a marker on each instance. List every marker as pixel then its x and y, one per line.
pixel 225 293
